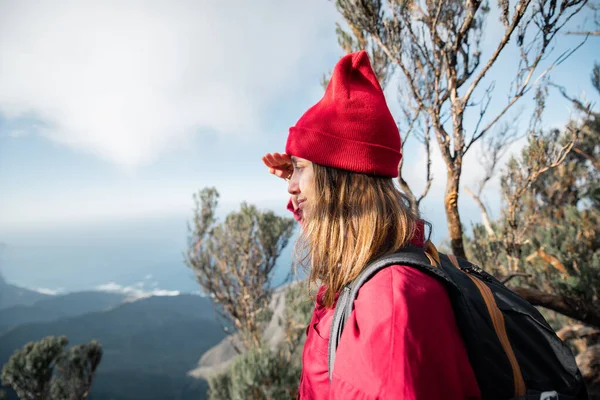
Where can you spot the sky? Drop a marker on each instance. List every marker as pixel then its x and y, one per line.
pixel 113 113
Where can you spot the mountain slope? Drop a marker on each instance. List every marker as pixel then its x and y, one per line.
pixel 152 340
pixel 11 295
pixel 57 307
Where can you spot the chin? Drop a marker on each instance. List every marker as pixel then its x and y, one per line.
pixel 303 215
pixel 302 218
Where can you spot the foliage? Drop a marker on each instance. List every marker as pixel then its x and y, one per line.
pixel 265 373
pixel 547 238
pixel 233 261
pixel 259 374
pixel 47 370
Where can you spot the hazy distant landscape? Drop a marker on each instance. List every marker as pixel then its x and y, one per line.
pixel 149 345
pixel 145 252
pixel 127 288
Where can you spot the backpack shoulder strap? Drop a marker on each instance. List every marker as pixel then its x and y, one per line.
pixel 410 256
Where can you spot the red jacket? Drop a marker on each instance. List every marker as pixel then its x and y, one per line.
pixel 400 342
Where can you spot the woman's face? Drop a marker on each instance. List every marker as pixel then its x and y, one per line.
pixel 301 185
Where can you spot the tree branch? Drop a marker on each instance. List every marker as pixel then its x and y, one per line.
pixel 400 64
pixel 518 15
pixel 550 259
pixel 589 33
pixel 569 306
pixel 485 219
pixel 404 186
pixel 533 176
pixel 579 105
pixel 525 88
pixel 595 162
pixel 429 176
pixel 504 280
pixel 472 6
pixel 576 331
pixel 443 140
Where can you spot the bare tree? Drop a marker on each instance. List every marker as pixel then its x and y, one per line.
pixel 421 130
pixel 494 148
pixel 234 261
pixel 436 46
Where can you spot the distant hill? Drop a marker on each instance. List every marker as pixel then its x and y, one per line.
pixel 149 345
pixel 52 308
pixel 11 295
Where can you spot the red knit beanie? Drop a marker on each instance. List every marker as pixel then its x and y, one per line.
pixel 351 127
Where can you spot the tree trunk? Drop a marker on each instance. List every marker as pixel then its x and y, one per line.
pixel 453 217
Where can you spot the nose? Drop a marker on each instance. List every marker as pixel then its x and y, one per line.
pixel 293 187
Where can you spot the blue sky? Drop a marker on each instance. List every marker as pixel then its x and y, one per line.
pixel 113 113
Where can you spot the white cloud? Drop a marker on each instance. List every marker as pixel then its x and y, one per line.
pixel 51 292
pixel 136 291
pixel 128 80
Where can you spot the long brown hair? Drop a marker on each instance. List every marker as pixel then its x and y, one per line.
pixel 353 219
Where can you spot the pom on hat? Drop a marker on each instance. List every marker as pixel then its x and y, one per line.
pixel 351 127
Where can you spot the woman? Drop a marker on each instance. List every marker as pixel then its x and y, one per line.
pixel 401 341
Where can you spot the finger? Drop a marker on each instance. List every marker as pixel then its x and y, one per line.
pixel 282 158
pixel 278 173
pixel 269 161
pixel 279 164
pixel 265 160
pixel 285 165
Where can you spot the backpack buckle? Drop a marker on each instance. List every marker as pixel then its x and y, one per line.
pixel 549 395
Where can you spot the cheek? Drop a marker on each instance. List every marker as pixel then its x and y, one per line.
pixel 305 186
pixel 306 182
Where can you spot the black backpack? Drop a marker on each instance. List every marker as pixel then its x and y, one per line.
pixel 513 351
